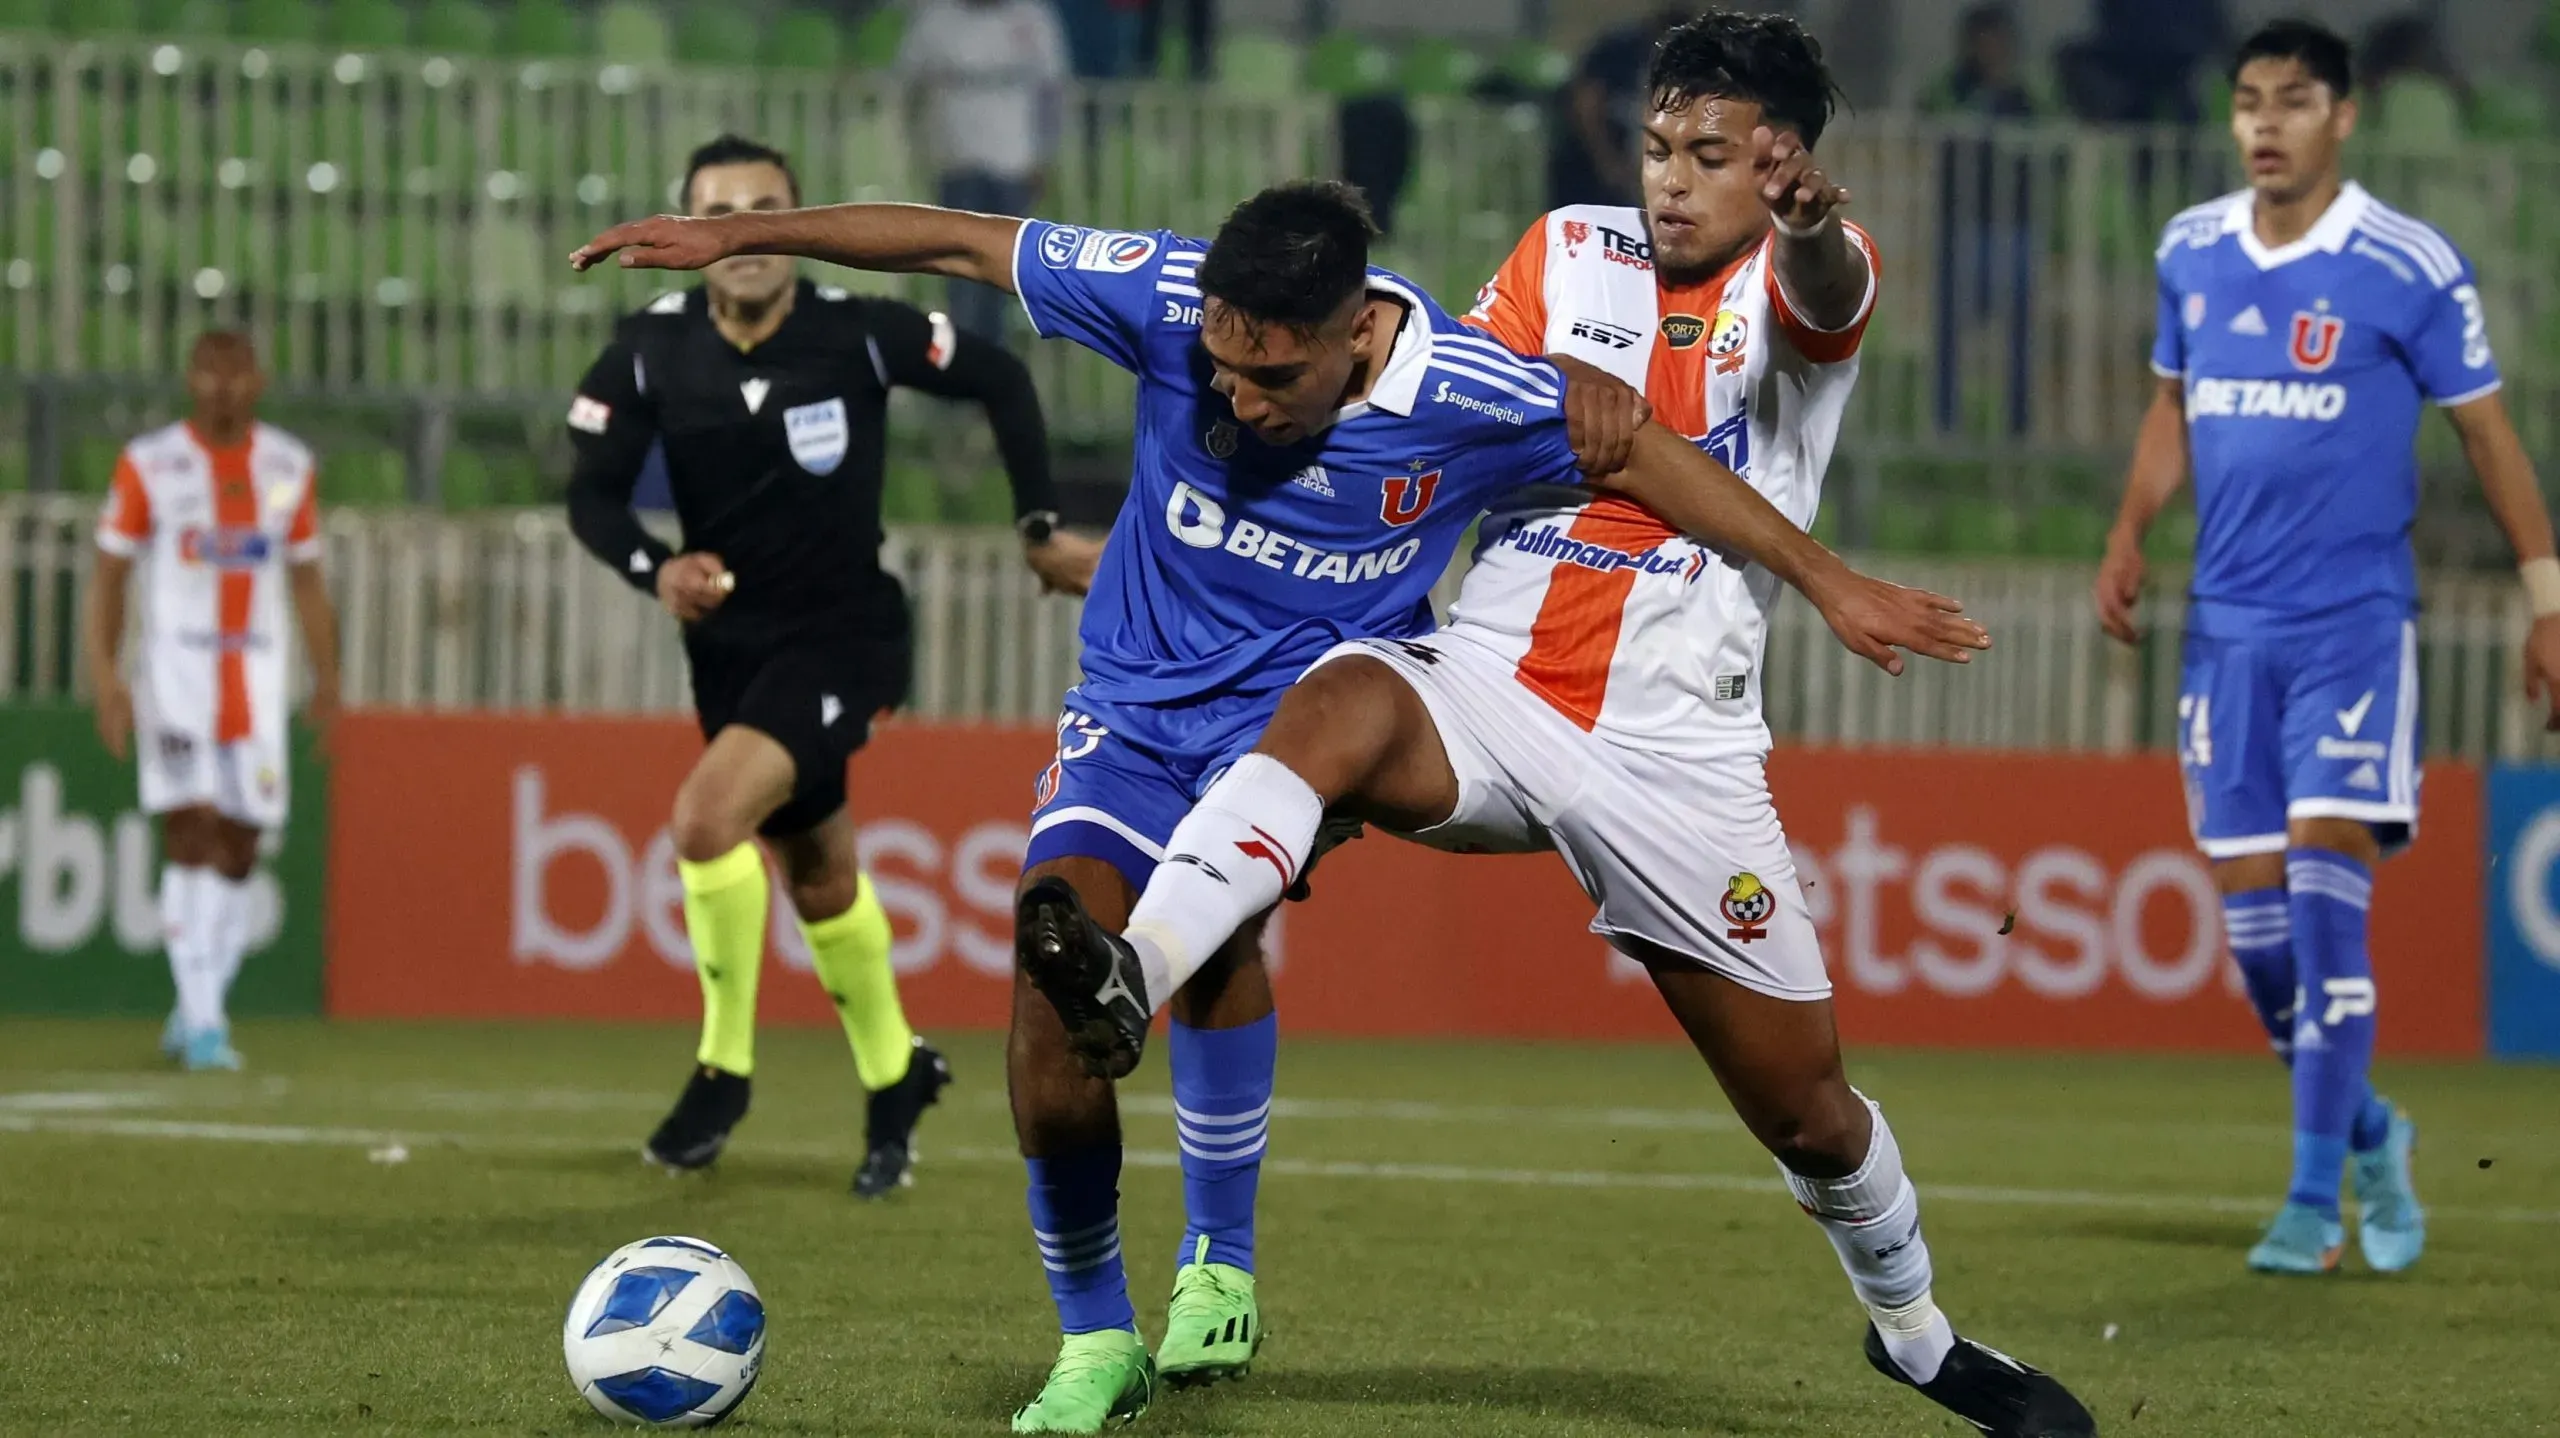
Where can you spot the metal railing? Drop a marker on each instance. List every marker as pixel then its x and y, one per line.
pixel 504 611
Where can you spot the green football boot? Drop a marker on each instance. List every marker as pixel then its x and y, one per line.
pixel 1100 1380
pixel 1213 1328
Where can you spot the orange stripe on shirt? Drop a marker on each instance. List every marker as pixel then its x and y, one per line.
pixel 128 516
pixel 235 509
pixel 1512 306
pixel 1574 639
pixel 1820 345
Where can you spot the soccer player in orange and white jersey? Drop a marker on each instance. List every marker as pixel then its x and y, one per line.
pixel 1597 691
pixel 222 512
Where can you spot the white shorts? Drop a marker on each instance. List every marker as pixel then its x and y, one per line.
pixel 1679 854
pixel 245 779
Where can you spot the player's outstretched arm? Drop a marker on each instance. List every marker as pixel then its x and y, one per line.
pixel 1710 503
pixel 897 239
pixel 2159 468
pixel 2515 499
pixel 101 636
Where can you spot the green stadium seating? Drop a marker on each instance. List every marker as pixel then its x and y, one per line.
pixel 2418 113
pixel 277 22
pixel 804 40
pixel 368 25
pixel 1435 66
pixel 2173 537
pixel 26 16
pixel 365 478
pixel 465 482
pixel 629 32
pixel 716 35
pixel 456 27
pixel 1983 527
pixel 2506 108
pixel 186 19
pixel 541 30
pixel 877 38
pixel 1536 68
pixel 99 17
pixel 2067 531
pixel 1346 66
pixel 1259 67
pixel 1903 527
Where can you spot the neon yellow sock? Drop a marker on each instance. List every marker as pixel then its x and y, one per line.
pixel 724 913
pixel 851 955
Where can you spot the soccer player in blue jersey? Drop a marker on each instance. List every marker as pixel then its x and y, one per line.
pixel 1313 438
pixel 2303 324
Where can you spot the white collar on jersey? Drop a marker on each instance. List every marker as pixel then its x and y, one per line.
pixel 2327 235
pixel 1399 384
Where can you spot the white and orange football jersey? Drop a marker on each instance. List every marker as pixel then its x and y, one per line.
pixel 214 529
pixel 1628 629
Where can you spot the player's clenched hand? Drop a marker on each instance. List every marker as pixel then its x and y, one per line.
pixel 692 585
pixel 1875 619
pixel 2542 668
pixel 2119 587
pixel 1601 416
pixel 1065 562
pixel 1792 185
pixel 662 242
pixel 115 715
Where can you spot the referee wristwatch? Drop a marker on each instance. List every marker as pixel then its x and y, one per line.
pixel 1036 527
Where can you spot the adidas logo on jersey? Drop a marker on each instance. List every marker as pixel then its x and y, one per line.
pixel 1314 480
pixel 2249 322
pixel 2366 776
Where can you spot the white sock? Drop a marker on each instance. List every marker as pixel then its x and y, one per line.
pixel 230 935
pixel 1872 1218
pixel 1231 857
pixel 185 926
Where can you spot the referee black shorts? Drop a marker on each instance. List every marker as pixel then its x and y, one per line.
pixel 814 694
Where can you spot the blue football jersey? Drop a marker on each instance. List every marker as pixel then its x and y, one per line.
pixel 1234 564
pixel 2305 371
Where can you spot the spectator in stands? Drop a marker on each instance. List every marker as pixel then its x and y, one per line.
pixel 989 76
pixel 2139 65
pixel 1987 79
pixel 1592 160
pixel 1986 218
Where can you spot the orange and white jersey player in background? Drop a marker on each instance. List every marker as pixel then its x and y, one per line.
pixel 1627 628
pixel 221 514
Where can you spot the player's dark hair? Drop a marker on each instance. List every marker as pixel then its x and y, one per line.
pixel 1292 255
pixel 737 150
pixel 1766 59
pixel 2322 51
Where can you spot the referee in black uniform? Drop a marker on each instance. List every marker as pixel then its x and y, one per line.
pixel 770 395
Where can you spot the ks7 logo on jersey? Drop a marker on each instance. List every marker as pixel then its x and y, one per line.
pixel 2315 339
pixel 1403 498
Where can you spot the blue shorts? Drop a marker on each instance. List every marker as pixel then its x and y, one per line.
pixel 1126 774
pixel 2320 725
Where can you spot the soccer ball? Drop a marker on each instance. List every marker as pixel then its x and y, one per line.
pixel 665 1333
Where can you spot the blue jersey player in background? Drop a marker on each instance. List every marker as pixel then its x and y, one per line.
pixel 1314 437
pixel 2304 327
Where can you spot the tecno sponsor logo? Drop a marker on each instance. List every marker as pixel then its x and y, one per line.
pixel 948 901
pixel 2265 399
pixel 80 876
pixel 1897 920
pixel 1201 522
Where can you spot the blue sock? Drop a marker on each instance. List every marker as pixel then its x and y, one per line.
pixel 2372 1124
pixel 1075 1216
pixel 2259 924
pixel 1222 1081
pixel 2333 1020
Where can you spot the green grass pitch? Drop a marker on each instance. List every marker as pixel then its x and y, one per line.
pixel 1465 1239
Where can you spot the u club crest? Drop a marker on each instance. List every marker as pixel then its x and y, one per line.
pixel 2314 345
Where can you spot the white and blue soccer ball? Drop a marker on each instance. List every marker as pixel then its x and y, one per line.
pixel 666 1333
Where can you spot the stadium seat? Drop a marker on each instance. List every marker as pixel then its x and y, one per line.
pixel 1259 67
pixel 465 482
pixel 541 29
pixel 1984 527
pixel 2173 536
pixel 1902 527
pixel 804 40
pixel 456 27
pixel 2419 113
pixel 1439 67
pixel 26 16
pixel 1534 68
pixel 277 22
pixel 716 35
pixel 371 25
pixel 99 17
pixel 186 19
pixel 2506 108
pixel 365 478
pixel 877 38
pixel 2066 531
pixel 1345 66
pixel 630 32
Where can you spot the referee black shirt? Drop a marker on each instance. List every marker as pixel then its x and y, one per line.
pixel 776 454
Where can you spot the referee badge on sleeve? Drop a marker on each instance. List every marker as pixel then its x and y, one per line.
pixel 818 433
